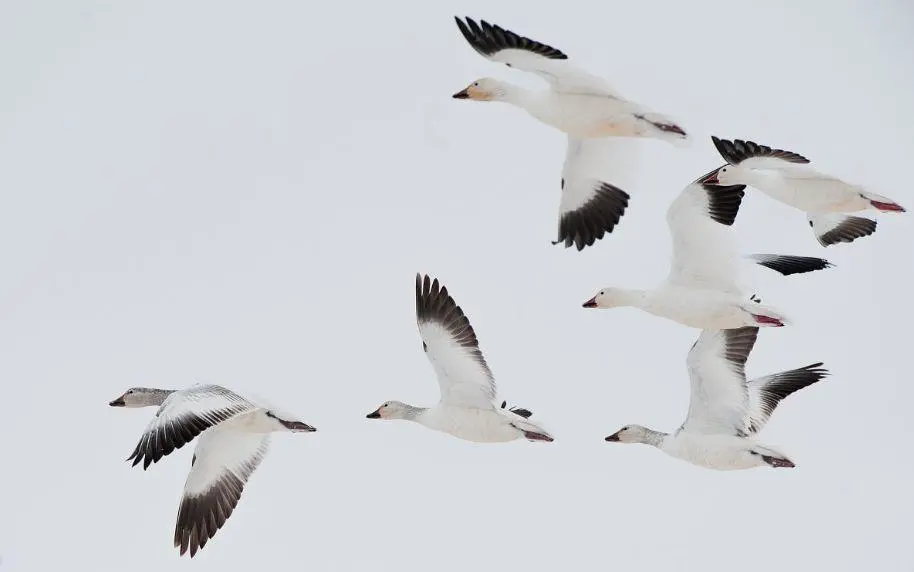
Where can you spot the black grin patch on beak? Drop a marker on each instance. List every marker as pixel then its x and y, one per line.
pixel 461 95
pixel 592 303
pixel 614 438
pixel 119 402
pixel 374 414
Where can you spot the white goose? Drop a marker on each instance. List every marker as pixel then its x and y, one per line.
pixel 784 176
pixel 583 106
pixel 234 437
pixel 725 412
pixel 467 409
pixel 701 290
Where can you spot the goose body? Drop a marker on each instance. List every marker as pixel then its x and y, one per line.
pixel 701 289
pixel 698 308
pixel 234 436
pixel 786 177
pixel 584 107
pixel 477 425
pixel 467 409
pixel 725 411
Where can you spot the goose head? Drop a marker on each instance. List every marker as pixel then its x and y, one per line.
pixel 608 298
pixel 630 434
pixel 484 89
pixel 140 397
pixel 392 410
pixel 727 175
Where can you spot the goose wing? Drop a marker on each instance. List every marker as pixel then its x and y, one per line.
pixel 765 393
pixel 223 462
pixel 515 51
pixel 719 398
pixel 451 346
pixel 184 415
pixel 592 207
pixel 704 255
pixel 754 156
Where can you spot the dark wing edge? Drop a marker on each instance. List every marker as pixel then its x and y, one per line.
pixel 597 217
pixel 489 39
pixel 723 200
pixel 783 384
pixel 165 438
pixel 434 304
pixel 848 230
pixel 201 516
pixel 786 264
pixel 738 344
pixel 738 150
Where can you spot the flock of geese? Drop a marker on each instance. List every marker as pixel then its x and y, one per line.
pixel 726 410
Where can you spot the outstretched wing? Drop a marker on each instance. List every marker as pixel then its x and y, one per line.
pixel 704 255
pixel 766 392
pixel 834 228
pixel 754 156
pixel 591 206
pixel 451 346
pixel 719 398
pixel 787 264
pixel 223 462
pixel 184 415
pixel 504 46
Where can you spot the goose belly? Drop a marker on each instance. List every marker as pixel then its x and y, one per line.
pixel 703 309
pixel 470 424
pixel 718 452
pixel 585 116
pixel 814 195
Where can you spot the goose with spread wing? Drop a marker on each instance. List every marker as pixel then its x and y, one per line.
pixel 583 106
pixel 725 411
pixel 234 437
pixel 701 290
pixel 786 177
pixel 467 408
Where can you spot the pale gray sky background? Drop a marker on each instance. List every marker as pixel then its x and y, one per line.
pixel 242 193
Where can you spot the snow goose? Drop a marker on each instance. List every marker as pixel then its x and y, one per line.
pixel 784 176
pixel 701 289
pixel 583 106
pixel 234 437
pixel 726 412
pixel 466 409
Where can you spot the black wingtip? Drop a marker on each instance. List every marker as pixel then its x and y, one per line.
pixel 788 264
pixel 738 344
pixel 723 200
pixel 847 231
pixel 489 39
pixel 738 150
pixel 594 219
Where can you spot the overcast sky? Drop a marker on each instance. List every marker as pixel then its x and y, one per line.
pixel 242 193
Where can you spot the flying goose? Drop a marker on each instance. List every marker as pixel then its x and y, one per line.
pixel 785 177
pixel 467 407
pixel 701 290
pixel 234 436
pixel 583 106
pixel 726 411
